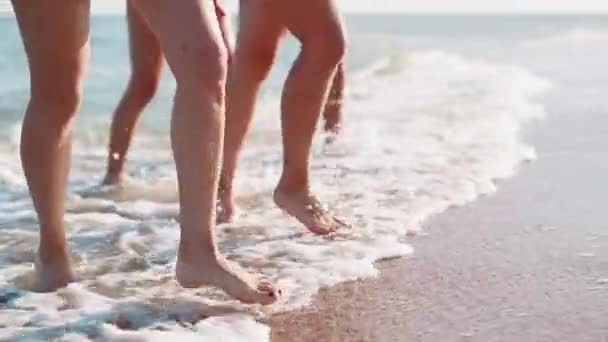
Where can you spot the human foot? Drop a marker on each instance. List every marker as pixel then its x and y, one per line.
pixel 194 273
pixel 332 128
pixel 330 138
pixel 111 179
pixel 307 209
pixel 225 206
pixel 53 271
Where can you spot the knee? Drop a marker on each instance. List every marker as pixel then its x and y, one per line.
pixel 144 85
pixel 328 49
pixel 203 73
pixel 254 62
pixel 335 48
pixel 56 100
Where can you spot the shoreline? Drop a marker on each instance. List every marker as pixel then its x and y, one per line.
pixel 529 263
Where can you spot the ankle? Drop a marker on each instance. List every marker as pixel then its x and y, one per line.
pixel 292 185
pixel 225 184
pixel 190 251
pixel 50 253
pixel 112 179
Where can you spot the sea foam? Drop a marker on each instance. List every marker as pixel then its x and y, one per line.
pixel 424 131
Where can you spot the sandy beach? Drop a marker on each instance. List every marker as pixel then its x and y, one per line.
pixel 529 263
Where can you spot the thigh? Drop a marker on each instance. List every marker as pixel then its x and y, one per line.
pixel 188 33
pixel 260 29
pixel 144 49
pixel 224 23
pixel 56 39
pixel 310 20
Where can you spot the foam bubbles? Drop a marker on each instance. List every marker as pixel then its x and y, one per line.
pixel 424 131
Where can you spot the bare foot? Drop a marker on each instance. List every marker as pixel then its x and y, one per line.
pixel 225 206
pixel 332 131
pixel 307 209
pixel 53 271
pixel 111 179
pixel 330 138
pixel 332 128
pixel 226 276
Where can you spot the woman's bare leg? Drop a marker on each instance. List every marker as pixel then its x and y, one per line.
pixel 225 27
pixel 190 38
pixel 56 39
pixel 146 65
pixel 318 26
pixel 335 103
pixel 257 40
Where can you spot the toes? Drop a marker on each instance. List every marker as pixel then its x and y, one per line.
pixel 269 289
pixel 269 294
pixel 265 287
pixel 264 294
pixel 333 226
pixel 329 225
pixel 341 223
pixel 321 229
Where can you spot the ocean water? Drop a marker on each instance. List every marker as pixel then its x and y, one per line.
pixel 435 114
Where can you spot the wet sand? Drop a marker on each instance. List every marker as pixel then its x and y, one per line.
pixel 529 263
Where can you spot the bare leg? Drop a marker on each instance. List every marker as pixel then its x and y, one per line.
pixel 305 92
pixel 224 22
pixel 257 40
pixel 334 105
pixel 55 36
pixel 191 40
pixel 146 65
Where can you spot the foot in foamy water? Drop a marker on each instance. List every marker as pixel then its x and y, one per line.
pixel 307 209
pixel 198 272
pixel 330 138
pixel 53 272
pixel 332 128
pixel 332 131
pixel 110 184
pixel 225 206
pixel 111 179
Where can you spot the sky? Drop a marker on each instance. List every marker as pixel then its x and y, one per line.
pixel 429 6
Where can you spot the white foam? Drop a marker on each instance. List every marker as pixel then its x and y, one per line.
pixel 424 131
pixel 227 328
